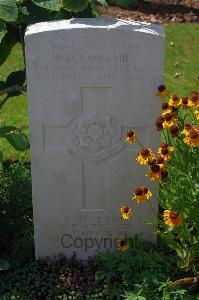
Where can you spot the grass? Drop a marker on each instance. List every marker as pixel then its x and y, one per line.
pixel 15 111
pixel 181 72
pixel 181 57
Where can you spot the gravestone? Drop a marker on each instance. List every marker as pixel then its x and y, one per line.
pixel 89 82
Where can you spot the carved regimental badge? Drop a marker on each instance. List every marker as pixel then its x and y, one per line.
pixel 95 137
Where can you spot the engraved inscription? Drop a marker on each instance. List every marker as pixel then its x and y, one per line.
pixel 70 62
pixel 106 226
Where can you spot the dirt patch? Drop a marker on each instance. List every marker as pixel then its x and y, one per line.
pixel 156 12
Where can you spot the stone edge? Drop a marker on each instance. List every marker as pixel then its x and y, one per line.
pixel 83 23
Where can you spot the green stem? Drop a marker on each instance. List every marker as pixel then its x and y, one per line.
pixel 151 206
pixel 165 136
pixel 140 143
pixel 22 44
pixel 182 173
pixel 194 119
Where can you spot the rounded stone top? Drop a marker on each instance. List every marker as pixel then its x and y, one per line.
pixel 96 23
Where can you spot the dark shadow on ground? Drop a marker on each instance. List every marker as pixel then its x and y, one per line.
pixel 165 8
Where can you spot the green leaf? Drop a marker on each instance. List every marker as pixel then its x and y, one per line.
pixel 18 140
pixel 6 46
pixel 53 5
pixel 2 85
pixel 4 265
pixel 6 130
pixel 8 10
pixel 62 14
pixel 102 2
pixel 95 10
pixel 31 13
pixel 75 5
pixel 14 78
pixel 3 30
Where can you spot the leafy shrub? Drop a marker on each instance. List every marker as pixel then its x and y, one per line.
pixel 176 168
pixel 16 228
pixel 143 270
pixel 60 279
pixel 142 292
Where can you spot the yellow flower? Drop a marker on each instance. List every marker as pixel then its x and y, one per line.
pixel 154 172
pixel 187 129
pixel 174 131
pixel 169 120
pixel 193 100
pixel 166 108
pixel 162 91
pixel 131 137
pixel 161 161
pixel 172 218
pixel 144 155
pixel 166 151
pixel 141 194
pixel 163 173
pixel 192 136
pixel 126 212
pixel 122 244
pixel 175 101
pixel 185 103
pixel 159 123
pixel 197 114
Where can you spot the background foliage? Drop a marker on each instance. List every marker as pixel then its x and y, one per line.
pixel 16 227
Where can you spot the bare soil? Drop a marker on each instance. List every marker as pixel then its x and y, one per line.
pixel 157 11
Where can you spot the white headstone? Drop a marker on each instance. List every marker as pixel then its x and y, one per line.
pixel 89 82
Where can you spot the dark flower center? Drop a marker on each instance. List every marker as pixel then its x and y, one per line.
pixel 185 101
pixel 145 152
pixel 122 243
pixel 194 98
pixel 187 126
pixel 159 122
pixel 155 168
pixel 164 151
pixel 174 215
pixel 145 190
pixel 168 116
pixel 130 133
pixel 126 210
pixel 160 160
pixel 151 161
pixel 161 88
pixel 174 129
pixel 175 98
pixel 138 191
pixel 164 173
pixel 193 134
pixel 193 93
pixel 165 105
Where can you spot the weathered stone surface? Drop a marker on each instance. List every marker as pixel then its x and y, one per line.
pixel 89 81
